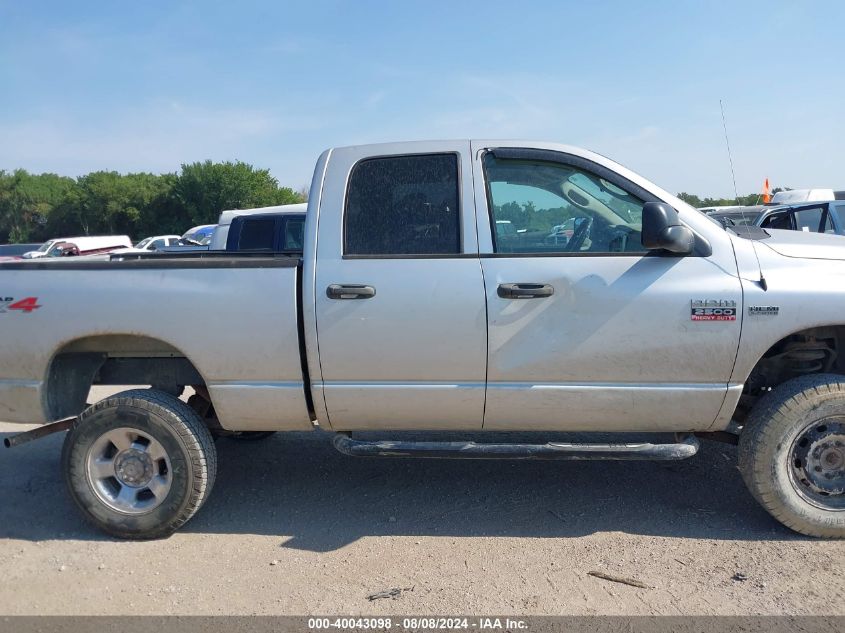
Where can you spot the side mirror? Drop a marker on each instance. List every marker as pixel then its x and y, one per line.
pixel 662 229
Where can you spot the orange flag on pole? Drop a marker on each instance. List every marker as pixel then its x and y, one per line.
pixel 767 193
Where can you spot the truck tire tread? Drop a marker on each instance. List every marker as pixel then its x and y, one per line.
pixel 183 422
pixel 774 421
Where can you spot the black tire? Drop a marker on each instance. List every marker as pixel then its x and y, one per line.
pixel 772 462
pixel 191 461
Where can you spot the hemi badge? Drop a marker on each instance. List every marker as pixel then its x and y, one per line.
pixel 763 310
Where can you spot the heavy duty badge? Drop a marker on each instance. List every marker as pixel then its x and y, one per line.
pixel 713 310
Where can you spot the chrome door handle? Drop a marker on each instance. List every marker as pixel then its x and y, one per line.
pixel 525 291
pixel 350 291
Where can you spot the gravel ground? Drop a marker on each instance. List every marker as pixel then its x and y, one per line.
pixel 293 527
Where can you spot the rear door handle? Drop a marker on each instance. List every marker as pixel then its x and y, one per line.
pixel 525 291
pixel 350 291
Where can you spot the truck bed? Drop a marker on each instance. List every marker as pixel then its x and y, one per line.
pixel 233 317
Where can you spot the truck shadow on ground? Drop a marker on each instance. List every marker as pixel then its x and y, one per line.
pixel 298 487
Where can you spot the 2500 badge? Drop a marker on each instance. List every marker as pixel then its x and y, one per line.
pixel 713 310
pixel 24 305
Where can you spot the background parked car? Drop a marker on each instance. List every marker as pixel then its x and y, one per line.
pixel 793 196
pixel 200 235
pixel 813 217
pixel 153 243
pixel 735 216
pixel 87 245
pixel 16 250
pixel 156 242
pixel 220 237
pixel 267 232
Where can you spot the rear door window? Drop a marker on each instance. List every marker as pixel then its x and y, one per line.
pixel 403 205
pixel 294 232
pixel 810 220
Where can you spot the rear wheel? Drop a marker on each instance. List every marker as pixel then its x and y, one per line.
pixel 792 454
pixel 139 464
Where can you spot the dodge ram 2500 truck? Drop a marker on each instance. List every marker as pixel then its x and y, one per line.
pixel 409 311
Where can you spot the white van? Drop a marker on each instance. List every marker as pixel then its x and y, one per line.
pixel 86 245
pixel 221 232
pixel 794 196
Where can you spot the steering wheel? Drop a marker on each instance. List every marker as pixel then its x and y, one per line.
pixel 580 235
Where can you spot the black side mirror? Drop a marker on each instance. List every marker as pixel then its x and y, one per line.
pixel 662 229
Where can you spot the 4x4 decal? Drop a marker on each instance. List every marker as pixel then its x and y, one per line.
pixel 24 305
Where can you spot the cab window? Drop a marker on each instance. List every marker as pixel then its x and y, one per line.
pixel 547 207
pixel 403 205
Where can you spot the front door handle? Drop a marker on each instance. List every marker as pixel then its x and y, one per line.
pixel 525 291
pixel 350 291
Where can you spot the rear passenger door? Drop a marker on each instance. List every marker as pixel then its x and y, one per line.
pixel 401 321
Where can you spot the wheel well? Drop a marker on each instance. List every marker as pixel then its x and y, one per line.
pixel 812 351
pixel 113 359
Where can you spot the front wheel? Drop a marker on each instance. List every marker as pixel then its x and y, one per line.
pixel 792 454
pixel 139 464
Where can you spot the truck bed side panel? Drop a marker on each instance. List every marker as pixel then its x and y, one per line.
pixel 235 321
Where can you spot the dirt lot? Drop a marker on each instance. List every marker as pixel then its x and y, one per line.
pixel 293 527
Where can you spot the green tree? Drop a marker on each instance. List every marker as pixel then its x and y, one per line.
pixel 41 206
pixel 691 199
pixel 205 189
pixel 26 200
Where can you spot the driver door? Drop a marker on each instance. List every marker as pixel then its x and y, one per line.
pixel 586 329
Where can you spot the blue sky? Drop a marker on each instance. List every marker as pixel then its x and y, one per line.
pixel 145 86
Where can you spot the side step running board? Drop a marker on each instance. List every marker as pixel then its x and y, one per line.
pixel 687 446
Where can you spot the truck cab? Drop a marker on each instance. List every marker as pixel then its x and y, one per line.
pixel 517 330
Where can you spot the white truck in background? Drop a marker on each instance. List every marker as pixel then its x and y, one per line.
pixel 220 235
pixel 85 245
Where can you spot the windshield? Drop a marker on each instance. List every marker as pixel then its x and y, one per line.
pixel 143 243
pixel 45 246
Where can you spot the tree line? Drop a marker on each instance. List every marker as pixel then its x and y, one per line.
pixel 746 201
pixel 38 207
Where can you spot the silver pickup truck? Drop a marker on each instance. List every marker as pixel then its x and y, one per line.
pixel 462 286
